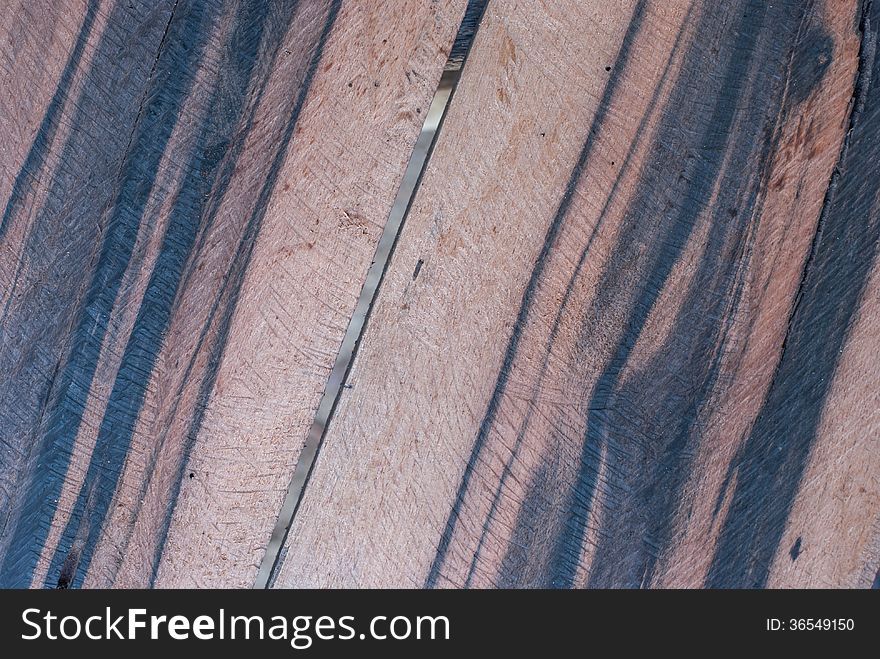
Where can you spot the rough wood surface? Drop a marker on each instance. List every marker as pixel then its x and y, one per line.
pixel 629 334
pixel 193 191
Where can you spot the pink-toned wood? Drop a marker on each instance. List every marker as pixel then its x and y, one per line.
pixel 602 352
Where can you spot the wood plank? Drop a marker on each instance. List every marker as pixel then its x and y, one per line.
pixel 614 345
pixel 206 292
pixel 824 406
pixel 68 69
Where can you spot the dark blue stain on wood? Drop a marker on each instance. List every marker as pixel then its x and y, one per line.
pixel 771 464
pixel 226 103
pixel 66 403
pixel 257 35
pixel 39 150
pixel 65 218
pixel 647 470
pixel 510 355
pixel 225 300
pixel 516 568
pixel 235 277
pixel 647 477
pixel 666 397
pixel 80 159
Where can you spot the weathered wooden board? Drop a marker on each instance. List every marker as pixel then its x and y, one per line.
pixel 193 192
pixel 629 333
pixel 69 69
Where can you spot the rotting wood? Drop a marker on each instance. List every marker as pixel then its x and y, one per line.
pixel 628 335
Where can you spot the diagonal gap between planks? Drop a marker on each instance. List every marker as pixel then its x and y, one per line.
pixel 409 186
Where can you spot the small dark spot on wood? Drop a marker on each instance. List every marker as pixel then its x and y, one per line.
pixel 68 569
pixel 607 68
pixel 350 84
pixel 418 269
pixel 384 40
pixel 192 475
pixel 376 83
pixel 796 549
pixel 418 110
pixel 612 163
pixel 543 134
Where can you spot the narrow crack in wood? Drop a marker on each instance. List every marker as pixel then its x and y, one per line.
pixel 415 169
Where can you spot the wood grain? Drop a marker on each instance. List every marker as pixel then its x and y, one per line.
pixel 628 335
pixel 193 195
